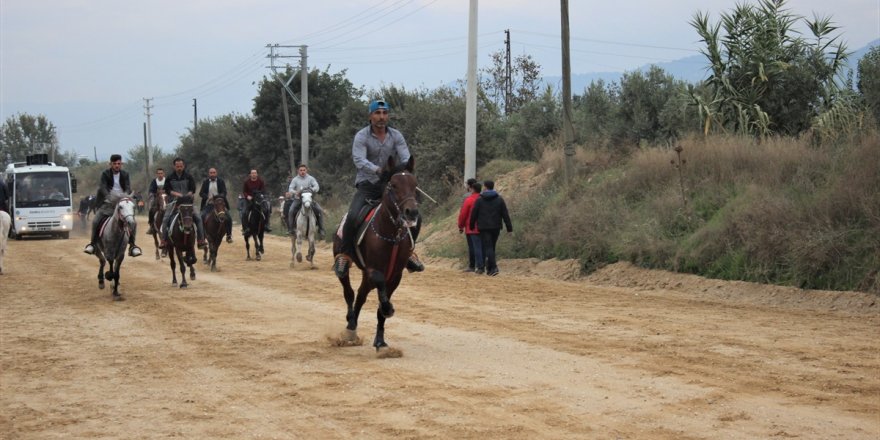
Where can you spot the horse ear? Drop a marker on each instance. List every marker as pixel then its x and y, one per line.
pixel 410 166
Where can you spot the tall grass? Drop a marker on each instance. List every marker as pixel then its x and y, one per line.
pixel 779 211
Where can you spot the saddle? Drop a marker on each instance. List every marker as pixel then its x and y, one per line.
pixel 366 213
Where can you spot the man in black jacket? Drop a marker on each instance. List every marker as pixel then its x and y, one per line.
pixel 112 179
pixel 487 214
pixel 214 186
pixel 180 187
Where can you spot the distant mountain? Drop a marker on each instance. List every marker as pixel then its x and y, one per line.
pixel 691 69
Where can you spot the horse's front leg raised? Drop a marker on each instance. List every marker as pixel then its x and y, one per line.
pixel 385 306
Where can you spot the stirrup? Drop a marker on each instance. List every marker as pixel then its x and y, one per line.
pixel 341 265
pixel 134 251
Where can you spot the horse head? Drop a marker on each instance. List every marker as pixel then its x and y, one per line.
pixel 185 210
pixel 401 192
pixel 305 197
pixel 124 212
pixel 259 202
pixel 220 209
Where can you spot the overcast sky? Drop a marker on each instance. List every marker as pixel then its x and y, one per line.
pixel 87 64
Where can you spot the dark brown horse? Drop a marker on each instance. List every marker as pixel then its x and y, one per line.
pixel 182 243
pixel 257 218
pixel 215 229
pixel 158 210
pixel 383 251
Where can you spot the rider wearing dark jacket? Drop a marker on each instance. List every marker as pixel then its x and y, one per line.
pixel 113 178
pixel 252 184
pixel 181 184
pixel 487 214
pixel 214 186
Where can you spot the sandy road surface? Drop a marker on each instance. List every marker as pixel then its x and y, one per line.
pixel 244 353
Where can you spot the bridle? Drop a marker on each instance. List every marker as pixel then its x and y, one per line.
pixel 397 219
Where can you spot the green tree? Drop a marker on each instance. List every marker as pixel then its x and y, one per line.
pixel 524 84
pixel 764 78
pixel 651 108
pixel 25 134
pixel 869 81
pixel 268 152
pixel 595 112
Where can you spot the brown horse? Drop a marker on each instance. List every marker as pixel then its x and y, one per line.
pixel 182 243
pixel 215 229
pixel 383 251
pixel 158 210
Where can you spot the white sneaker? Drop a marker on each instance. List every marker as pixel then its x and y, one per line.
pixel 89 249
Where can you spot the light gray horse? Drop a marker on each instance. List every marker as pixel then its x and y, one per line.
pixel 113 241
pixel 306 229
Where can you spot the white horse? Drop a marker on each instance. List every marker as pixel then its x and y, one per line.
pixel 113 241
pixel 306 228
pixel 5 224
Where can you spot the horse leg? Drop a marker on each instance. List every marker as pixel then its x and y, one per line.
pixel 385 306
pixel 114 267
pixel 247 246
pixel 258 247
pixel 101 271
pixel 183 283
pixel 192 265
pixel 171 259
pixel 156 243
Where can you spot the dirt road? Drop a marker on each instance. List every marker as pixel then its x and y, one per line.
pixel 244 353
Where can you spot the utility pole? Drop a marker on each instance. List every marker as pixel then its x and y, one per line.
pixel 146 154
pixel 304 105
pixel 567 127
pixel 195 123
pixel 470 121
pixel 302 101
pixel 287 124
pixel 508 75
pixel 148 135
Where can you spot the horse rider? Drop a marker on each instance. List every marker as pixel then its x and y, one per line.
pixel 288 200
pixel 155 185
pixel 214 186
pixel 371 148
pixel 251 184
pixel 303 181
pixel 113 179
pixel 180 184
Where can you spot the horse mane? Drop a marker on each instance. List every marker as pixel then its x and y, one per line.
pixel 115 196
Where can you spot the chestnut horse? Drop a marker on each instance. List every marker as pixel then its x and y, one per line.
pixel 383 251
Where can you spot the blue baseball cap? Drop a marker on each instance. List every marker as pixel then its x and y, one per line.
pixel 379 104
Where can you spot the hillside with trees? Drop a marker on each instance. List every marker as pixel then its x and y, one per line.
pixel 767 170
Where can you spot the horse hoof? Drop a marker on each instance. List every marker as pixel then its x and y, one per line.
pixel 192 277
pixel 184 286
pixel 174 284
pixel 299 257
pixel 100 284
pixel 259 258
pixel 118 297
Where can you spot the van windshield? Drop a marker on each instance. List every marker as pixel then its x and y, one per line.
pixel 37 190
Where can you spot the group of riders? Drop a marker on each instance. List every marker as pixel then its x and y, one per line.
pixel 372 147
